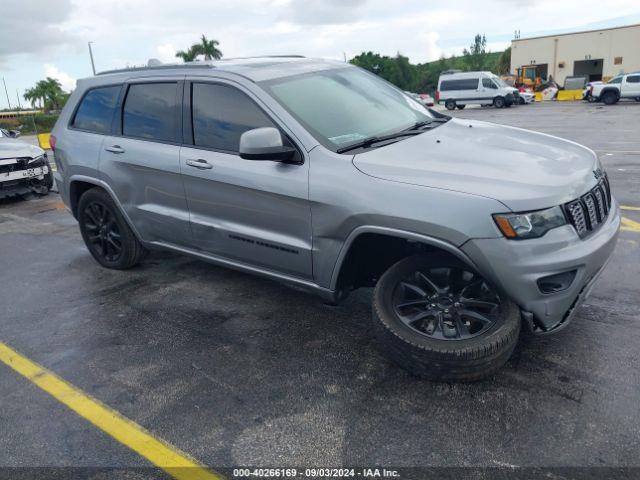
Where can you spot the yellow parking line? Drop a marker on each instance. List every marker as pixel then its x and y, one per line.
pixel 626 207
pixel 165 456
pixel 629 225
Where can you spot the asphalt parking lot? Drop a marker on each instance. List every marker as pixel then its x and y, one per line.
pixel 238 370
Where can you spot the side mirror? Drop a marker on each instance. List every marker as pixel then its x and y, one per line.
pixel 264 144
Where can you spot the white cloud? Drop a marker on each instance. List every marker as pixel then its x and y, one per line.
pixel 166 53
pixel 68 83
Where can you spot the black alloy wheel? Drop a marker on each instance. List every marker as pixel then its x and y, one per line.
pixel 439 319
pixel 103 232
pixel 447 303
pixel 106 233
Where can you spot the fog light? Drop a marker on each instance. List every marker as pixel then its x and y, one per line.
pixel 556 283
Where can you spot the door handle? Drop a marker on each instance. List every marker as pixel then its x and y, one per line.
pixel 199 163
pixel 115 149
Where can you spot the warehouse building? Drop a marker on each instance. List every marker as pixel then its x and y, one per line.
pixel 596 54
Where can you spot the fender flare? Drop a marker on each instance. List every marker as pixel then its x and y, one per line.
pixel 407 235
pixel 99 183
pixel 610 89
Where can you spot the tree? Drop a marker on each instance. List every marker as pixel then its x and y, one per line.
pixel 47 94
pixel 209 49
pixel 503 65
pixel 206 47
pixel 476 57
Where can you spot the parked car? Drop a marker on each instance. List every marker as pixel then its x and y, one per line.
pixel 622 86
pixel 24 168
pixel 322 175
pixel 459 89
pixel 427 99
pixel 4 133
pixel 524 97
pixel 423 98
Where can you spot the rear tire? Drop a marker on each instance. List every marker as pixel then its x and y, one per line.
pixel 609 98
pixel 454 352
pixel 520 101
pixel 499 102
pixel 450 104
pixel 106 233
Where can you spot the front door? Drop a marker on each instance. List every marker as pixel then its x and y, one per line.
pixel 141 162
pixel 254 212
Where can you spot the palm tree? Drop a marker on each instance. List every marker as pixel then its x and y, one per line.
pixel 206 47
pixel 48 94
pixel 189 55
pixel 209 49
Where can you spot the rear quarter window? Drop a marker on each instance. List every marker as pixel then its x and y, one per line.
pixel 96 109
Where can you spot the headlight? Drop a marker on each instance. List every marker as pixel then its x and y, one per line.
pixel 37 159
pixel 530 224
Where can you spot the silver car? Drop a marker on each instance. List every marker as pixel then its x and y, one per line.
pixel 322 175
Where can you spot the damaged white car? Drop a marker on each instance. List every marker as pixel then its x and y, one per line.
pixel 24 168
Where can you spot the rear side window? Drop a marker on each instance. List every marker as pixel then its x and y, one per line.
pixel 95 111
pixel 150 112
pixel 633 79
pixel 465 84
pixel 221 114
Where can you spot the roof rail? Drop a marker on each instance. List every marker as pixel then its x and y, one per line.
pixel 195 64
pixel 167 66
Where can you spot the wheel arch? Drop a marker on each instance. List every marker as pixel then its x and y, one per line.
pixel 610 89
pixel 78 184
pixel 390 246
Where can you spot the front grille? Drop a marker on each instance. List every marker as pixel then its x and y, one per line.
pixel 590 211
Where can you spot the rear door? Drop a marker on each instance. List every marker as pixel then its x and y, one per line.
pixel 141 160
pixel 631 86
pixel 255 212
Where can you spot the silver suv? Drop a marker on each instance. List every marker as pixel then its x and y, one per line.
pixel 324 176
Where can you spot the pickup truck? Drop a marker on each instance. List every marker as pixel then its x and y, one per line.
pixel 622 86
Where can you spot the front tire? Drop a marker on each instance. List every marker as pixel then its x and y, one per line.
pixel 439 320
pixel 106 233
pixel 609 98
pixel 499 102
pixel 450 104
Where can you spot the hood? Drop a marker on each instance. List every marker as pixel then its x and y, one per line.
pixel 10 148
pixel 522 169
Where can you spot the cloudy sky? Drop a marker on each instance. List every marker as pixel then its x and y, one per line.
pixel 41 38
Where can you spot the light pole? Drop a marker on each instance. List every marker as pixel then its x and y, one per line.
pixel 18 97
pixel 6 93
pixel 93 66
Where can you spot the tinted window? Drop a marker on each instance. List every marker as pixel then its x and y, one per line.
pixel 466 84
pixel 221 114
pixel 633 79
pixel 150 111
pixel 96 109
pixel 487 83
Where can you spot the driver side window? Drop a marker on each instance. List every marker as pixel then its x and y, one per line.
pixel 488 83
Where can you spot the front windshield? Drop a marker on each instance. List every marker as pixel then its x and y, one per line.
pixel 499 81
pixel 346 105
pixel 615 80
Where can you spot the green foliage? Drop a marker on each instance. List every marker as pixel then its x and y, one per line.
pixel 29 123
pixel 47 94
pixel 476 57
pixel 422 78
pixel 503 65
pixel 206 47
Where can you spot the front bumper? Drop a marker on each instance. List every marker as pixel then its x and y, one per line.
pixel 18 180
pixel 515 267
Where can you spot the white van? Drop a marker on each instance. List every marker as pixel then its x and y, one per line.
pixel 458 89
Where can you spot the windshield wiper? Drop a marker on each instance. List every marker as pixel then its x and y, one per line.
pixel 367 142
